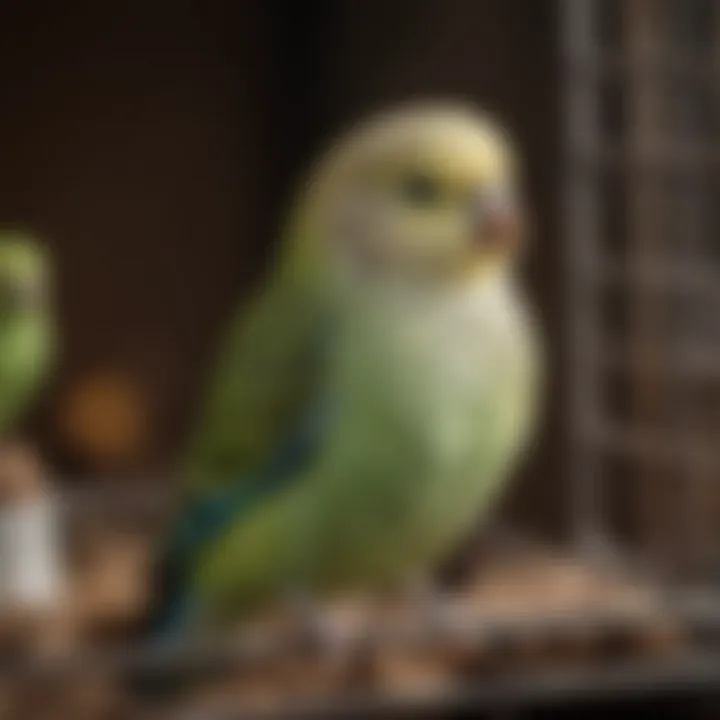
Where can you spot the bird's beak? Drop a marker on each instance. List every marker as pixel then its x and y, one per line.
pixel 497 226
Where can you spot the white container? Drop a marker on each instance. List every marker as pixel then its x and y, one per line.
pixel 32 568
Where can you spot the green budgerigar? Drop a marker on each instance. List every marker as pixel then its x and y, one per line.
pixel 371 403
pixel 26 324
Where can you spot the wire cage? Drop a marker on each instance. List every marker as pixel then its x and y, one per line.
pixel 642 121
pixel 641 171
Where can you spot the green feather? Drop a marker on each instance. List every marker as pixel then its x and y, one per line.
pixel 27 332
pixel 268 367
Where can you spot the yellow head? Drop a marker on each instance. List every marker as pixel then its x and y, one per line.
pixel 423 193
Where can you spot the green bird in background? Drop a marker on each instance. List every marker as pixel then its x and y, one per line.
pixel 371 403
pixel 26 324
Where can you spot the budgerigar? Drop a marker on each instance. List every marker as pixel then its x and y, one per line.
pixel 26 324
pixel 371 403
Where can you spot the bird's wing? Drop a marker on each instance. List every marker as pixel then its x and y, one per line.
pixel 260 428
pixel 268 371
pixel 228 507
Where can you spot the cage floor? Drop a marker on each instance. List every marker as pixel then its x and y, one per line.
pixel 525 612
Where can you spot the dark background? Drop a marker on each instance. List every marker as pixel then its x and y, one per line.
pixel 154 145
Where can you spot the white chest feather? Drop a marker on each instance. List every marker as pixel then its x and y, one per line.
pixel 468 351
pixel 439 362
pixel 459 337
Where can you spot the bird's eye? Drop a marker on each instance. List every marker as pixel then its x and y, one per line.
pixel 420 189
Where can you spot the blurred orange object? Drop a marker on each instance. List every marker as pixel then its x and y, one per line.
pixel 104 418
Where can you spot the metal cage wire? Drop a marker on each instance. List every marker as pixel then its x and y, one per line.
pixel 642 130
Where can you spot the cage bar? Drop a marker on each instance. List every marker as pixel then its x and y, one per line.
pixel 580 212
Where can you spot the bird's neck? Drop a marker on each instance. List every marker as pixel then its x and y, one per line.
pixel 419 297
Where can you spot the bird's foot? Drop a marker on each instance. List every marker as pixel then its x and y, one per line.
pixel 317 627
pixel 431 600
